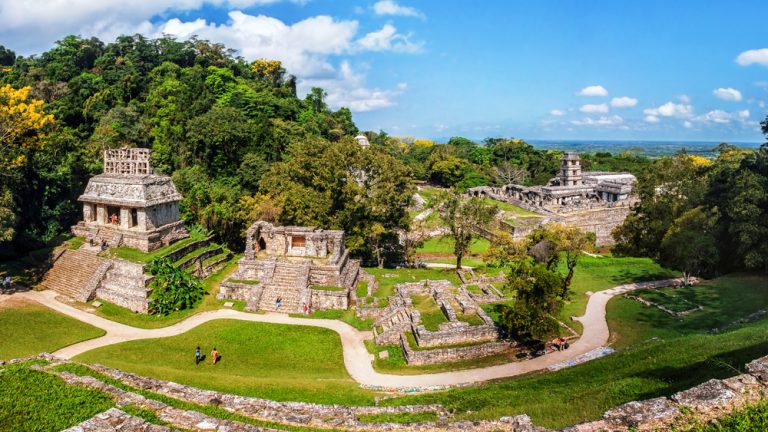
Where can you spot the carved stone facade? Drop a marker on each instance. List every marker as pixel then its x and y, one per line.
pixel 295 265
pixel 129 204
pixel 594 201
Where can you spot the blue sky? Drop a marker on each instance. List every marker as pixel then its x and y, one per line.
pixel 651 70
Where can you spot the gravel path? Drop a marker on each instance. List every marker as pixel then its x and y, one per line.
pixel 356 358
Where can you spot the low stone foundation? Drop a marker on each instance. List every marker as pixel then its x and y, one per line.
pixel 323 299
pixel 443 355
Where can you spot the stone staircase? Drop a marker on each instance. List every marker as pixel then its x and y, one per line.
pixel 76 274
pixel 290 282
pixel 126 284
pixel 392 325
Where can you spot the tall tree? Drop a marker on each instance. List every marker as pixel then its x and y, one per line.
pixel 466 219
pixel 689 245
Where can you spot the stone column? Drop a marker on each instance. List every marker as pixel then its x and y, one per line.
pixel 101 214
pixel 125 218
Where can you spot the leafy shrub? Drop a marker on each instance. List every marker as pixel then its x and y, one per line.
pixel 174 288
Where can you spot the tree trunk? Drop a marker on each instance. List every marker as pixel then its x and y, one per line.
pixel 381 262
pixel 458 260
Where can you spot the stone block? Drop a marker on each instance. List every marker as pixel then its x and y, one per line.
pixel 96 303
pixel 635 413
pixel 705 397
pixel 383 355
pixel 759 368
pixel 228 304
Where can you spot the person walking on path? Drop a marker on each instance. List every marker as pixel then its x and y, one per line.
pixel 197 355
pixel 214 356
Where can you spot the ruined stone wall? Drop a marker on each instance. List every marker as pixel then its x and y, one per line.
pixel 323 300
pixel 261 270
pixel 598 221
pixel 454 332
pixel 248 293
pixel 125 285
pixel 162 214
pixel 324 275
pixel 442 355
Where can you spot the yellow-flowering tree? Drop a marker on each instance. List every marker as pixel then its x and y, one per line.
pixel 22 126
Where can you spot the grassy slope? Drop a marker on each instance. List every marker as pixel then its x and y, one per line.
pixel 209 302
pixel 661 365
pixel 37 401
pixel 28 328
pixel 724 300
pixel 278 362
pixel 599 273
pixel 445 245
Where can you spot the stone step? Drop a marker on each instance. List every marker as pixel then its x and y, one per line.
pixel 71 272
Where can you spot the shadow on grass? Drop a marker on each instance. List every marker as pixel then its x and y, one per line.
pixel 719 366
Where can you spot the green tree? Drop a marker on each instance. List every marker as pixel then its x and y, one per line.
pixel 338 185
pixel 538 301
pixel 689 245
pixel 466 219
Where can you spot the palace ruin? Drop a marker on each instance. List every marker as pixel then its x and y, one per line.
pixel 594 201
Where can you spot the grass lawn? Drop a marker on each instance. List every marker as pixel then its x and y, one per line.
pixel 135 255
pixel 603 272
pixel 388 278
pixel 445 245
pixel 725 300
pixel 209 302
pixel 278 362
pixel 28 328
pixel 348 316
pixel 580 393
pixel 36 401
pixel 669 298
pixel 431 314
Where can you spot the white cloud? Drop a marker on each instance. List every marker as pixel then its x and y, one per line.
pixel 613 120
pixel 594 108
pixel 623 102
pixel 557 112
pixel 650 118
pixel 724 117
pixel 684 99
pixel 348 89
pixel 687 124
pixel 388 39
pixel 754 56
pixel 30 27
pixel 593 90
pixel 669 109
pixel 389 7
pixel 727 94
pixel 305 49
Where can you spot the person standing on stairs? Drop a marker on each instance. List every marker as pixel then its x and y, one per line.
pixel 278 302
